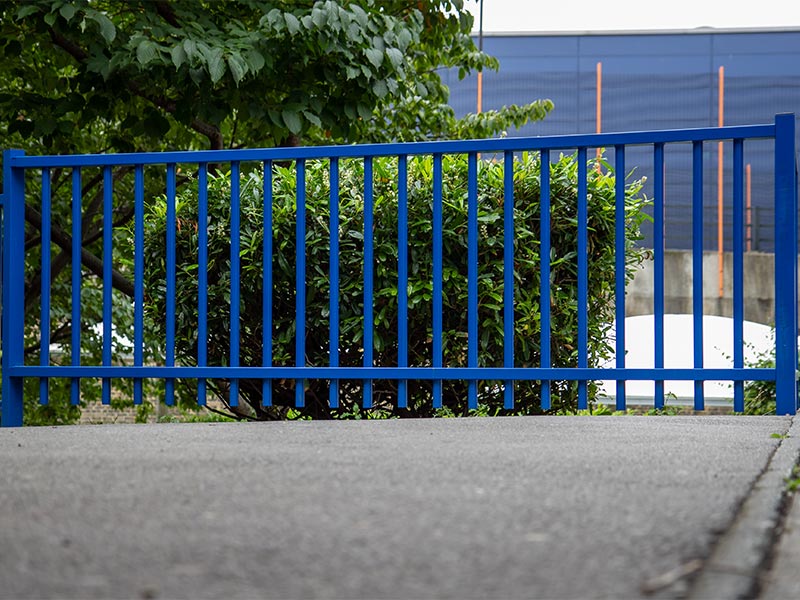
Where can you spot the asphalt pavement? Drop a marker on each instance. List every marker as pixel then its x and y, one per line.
pixel 514 507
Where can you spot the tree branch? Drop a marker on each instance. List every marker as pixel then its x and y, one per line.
pixel 89 260
pixel 94 234
pixel 71 47
pixel 212 132
pixel 166 13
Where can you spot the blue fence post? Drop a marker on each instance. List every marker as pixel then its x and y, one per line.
pixel 785 265
pixel 13 288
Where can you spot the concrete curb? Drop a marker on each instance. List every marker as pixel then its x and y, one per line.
pixel 734 569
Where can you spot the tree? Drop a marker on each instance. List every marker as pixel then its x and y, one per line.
pixel 197 73
pixel 126 76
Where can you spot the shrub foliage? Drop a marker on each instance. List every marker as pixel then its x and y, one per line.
pixel 563 300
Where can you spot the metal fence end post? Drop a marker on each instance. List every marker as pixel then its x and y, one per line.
pixel 785 265
pixel 13 306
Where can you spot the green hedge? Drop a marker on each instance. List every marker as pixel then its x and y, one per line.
pixel 490 287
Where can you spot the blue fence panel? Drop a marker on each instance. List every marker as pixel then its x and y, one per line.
pixel 436 372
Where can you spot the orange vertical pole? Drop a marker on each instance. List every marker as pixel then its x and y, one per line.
pixel 749 207
pixel 720 230
pixel 480 92
pixel 599 107
pixel 480 73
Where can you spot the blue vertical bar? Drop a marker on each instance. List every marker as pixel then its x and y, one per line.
pixel 402 276
pixel 697 268
pixel 333 389
pixel 544 277
pixel 300 283
pixel 785 265
pixel 108 263
pixel 437 276
pixel 235 233
pixel 266 292
pixel 44 328
pixel 508 275
pixel 619 268
pixel 368 276
pixel 738 271
pixel 583 276
pixel 77 246
pixel 472 276
pixel 202 279
pixel 169 358
pixel 13 288
pixel 138 280
pixel 658 247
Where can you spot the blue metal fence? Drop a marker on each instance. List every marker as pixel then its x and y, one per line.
pixel 17 166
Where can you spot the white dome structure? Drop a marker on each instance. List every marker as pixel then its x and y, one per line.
pixel 679 353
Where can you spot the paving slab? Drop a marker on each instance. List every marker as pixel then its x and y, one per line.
pixel 522 507
pixel 739 562
pixel 781 581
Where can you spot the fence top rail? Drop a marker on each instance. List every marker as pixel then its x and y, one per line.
pixel 516 144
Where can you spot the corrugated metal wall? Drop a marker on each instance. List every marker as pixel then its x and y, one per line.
pixel 654 81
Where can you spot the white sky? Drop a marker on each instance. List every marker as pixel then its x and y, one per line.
pixel 605 15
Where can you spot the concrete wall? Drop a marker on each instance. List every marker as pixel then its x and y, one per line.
pixel 759 286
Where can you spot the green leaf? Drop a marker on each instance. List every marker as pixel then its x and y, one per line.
pixel 24 11
pixel 46 125
pixel 237 66
pixel 178 55
pixel 216 65
pixel 255 61
pixel 404 39
pixel 50 18
pixel 67 11
pixel 380 89
pixel 364 111
pixel 107 29
pixel 190 46
pixel 319 17
pixel 312 118
pixel 98 63
pixel 197 76
pixel 292 23
pixel 145 52
pixel 359 14
pixel 374 56
pixel 292 121
pixel 395 56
